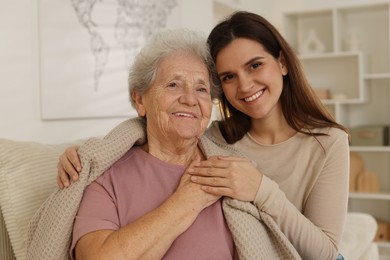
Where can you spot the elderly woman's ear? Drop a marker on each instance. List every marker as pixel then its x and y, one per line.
pixel 138 103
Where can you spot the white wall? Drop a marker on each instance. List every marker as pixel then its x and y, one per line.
pixel 20 117
pixel 19 90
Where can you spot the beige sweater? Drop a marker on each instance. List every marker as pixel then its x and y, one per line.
pixel 304 187
pixel 255 233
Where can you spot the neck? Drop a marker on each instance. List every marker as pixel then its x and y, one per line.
pixel 179 153
pixel 271 130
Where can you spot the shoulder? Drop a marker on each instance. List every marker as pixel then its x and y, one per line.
pixel 214 133
pixel 133 153
pixel 333 138
pixel 213 143
pixel 119 169
pixel 331 133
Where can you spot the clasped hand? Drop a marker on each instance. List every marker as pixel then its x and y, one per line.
pixel 233 177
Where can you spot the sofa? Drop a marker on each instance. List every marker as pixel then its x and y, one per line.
pixel 28 175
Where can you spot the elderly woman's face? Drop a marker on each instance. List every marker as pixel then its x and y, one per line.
pixel 178 104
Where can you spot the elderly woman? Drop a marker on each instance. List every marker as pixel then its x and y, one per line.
pixel 134 198
pixel 144 206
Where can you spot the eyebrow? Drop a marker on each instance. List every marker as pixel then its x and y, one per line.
pixel 254 59
pixel 198 80
pixel 245 64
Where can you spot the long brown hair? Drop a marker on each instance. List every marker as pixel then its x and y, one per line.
pixel 301 107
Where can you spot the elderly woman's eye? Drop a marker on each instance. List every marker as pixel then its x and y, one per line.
pixel 202 89
pixel 172 85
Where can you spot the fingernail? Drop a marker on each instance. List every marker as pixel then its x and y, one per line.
pixel 193 178
pixel 191 170
pixel 78 169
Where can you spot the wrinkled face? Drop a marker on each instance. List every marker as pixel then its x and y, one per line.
pixel 178 104
pixel 252 79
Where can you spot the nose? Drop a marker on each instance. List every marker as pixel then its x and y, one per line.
pixel 245 83
pixel 188 97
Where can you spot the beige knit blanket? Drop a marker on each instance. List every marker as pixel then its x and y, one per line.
pixel 256 235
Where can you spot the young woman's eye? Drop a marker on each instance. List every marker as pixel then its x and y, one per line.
pixel 226 78
pixel 255 65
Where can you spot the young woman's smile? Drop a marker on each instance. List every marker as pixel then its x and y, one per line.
pixel 252 79
pixel 254 96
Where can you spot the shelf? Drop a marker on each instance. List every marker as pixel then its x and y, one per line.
pixel 366 195
pixel 383 244
pixel 384 257
pixel 348 61
pixel 298 26
pixel 358 26
pixel 341 101
pixel 324 55
pixel 369 148
pixel 384 249
pixel 323 72
pixel 377 76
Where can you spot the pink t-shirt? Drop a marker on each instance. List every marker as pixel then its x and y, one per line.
pixel 137 184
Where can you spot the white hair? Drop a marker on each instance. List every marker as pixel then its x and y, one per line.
pixel 144 68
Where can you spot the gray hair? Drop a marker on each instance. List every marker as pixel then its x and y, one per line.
pixel 143 71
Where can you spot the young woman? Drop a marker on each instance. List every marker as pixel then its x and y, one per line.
pixel 271 114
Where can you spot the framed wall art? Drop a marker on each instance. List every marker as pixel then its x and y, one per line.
pixel 86 48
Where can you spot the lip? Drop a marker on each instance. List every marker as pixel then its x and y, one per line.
pixel 184 114
pixel 253 97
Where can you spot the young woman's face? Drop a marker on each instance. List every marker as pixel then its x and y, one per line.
pixel 252 79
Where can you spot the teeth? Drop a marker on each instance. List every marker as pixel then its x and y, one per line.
pixel 253 97
pixel 184 114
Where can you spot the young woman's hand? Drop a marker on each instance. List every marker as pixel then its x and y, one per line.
pixel 69 166
pixel 233 177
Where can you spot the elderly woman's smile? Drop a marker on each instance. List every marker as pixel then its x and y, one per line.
pixel 178 104
pixel 184 114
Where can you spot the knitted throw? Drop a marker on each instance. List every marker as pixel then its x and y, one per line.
pixel 255 234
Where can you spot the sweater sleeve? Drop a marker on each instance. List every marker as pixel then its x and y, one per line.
pixel 316 231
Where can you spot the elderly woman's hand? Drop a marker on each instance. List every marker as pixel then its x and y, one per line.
pixel 69 165
pixel 233 177
pixel 191 194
